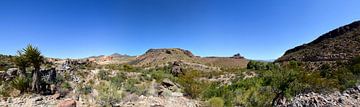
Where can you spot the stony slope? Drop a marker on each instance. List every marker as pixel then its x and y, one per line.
pixel 340 44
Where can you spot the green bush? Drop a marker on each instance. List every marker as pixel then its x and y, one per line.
pixel 118 80
pixel 85 90
pixel 159 75
pixel 258 65
pixel 129 86
pixel 103 75
pixel 355 65
pixel 65 85
pixel 5 90
pixel 192 87
pixel 216 102
pixel 108 94
pixel 215 90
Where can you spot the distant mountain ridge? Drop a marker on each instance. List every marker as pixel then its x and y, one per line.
pixel 112 55
pixel 340 44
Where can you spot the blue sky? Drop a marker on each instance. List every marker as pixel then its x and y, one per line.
pixel 257 29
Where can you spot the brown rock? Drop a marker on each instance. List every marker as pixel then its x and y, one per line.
pixel 56 96
pixel 67 103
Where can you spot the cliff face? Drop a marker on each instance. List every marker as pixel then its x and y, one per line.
pixel 337 45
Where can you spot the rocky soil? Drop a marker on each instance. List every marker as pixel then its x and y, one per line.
pixel 348 98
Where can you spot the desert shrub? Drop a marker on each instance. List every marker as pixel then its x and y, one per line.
pixel 159 75
pixel 258 65
pixel 355 65
pixel 59 79
pixel 192 87
pixel 118 80
pixel 128 68
pixel 345 77
pixel 129 86
pixel 103 75
pixel 64 88
pixel 325 71
pixel 20 83
pixel 251 92
pixel 215 90
pixel 65 85
pixel 108 94
pixel 85 89
pixel 113 66
pixel 67 76
pixel 216 102
pixel 5 90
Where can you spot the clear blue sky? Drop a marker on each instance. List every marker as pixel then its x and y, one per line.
pixel 257 29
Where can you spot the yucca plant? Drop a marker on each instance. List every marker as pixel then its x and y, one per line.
pixel 33 55
pixel 20 83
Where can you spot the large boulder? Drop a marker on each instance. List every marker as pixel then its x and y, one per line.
pixel 176 69
pixel 12 71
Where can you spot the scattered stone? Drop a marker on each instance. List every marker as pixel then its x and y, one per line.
pixel 167 83
pixel 349 98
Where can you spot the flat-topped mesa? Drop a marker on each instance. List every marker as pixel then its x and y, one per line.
pixel 340 44
pixel 171 51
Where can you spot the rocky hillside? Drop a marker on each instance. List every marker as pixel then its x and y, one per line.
pixel 340 44
pixel 165 56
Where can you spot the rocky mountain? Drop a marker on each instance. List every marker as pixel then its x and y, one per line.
pixel 340 44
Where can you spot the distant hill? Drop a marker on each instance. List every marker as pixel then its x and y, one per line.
pixel 236 61
pixel 340 44
pixel 166 56
pixel 115 58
